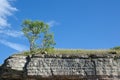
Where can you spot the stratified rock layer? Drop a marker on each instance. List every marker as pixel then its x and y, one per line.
pixel 61 67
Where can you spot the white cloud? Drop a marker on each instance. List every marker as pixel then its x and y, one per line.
pixel 52 23
pixel 14 46
pixel 11 33
pixel 5 10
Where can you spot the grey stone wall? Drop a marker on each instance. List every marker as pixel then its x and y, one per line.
pixel 89 67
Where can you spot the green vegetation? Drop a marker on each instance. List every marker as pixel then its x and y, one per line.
pixel 33 30
pixel 75 51
pixel 48 42
pixel 116 48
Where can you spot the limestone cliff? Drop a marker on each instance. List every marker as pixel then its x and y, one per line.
pixel 61 67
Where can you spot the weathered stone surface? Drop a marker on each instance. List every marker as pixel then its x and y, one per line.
pixel 61 67
pixel 15 62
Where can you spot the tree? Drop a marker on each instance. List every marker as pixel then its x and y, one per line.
pixel 32 30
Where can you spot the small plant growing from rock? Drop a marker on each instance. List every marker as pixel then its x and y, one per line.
pixel 48 42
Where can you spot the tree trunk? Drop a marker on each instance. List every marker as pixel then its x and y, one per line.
pixel 31 46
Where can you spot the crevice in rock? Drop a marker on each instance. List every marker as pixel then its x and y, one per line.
pixel 51 71
pixel 94 69
pixel 28 59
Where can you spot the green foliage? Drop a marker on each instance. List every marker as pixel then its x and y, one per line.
pixel 33 30
pixel 116 48
pixel 48 42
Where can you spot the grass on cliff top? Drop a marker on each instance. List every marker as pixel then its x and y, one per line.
pixel 72 51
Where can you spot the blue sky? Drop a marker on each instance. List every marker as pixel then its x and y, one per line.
pixel 79 24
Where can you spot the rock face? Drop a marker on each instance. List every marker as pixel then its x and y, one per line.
pixel 61 67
